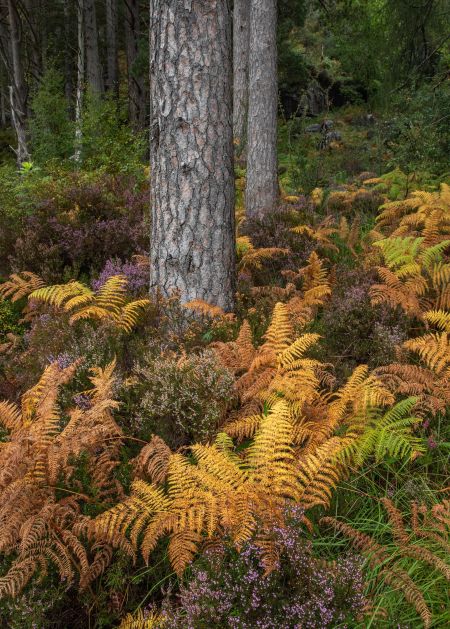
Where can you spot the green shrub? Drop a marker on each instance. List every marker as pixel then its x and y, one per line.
pixel 108 142
pixel 52 132
pixel 9 320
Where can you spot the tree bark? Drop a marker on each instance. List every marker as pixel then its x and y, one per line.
pixel 81 62
pixel 18 89
pixel 136 90
pixel 93 66
pixel 3 116
pixel 191 149
pixel 111 46
pixel 241 41
pixel 35 23
pixel 262 180
pixel 68 62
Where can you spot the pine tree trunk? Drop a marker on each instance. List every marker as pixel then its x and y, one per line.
pixel 93 66
pixel 18 90
pixel 191 147
pixel 241 41
pixel 136 90
pixel 111 45
pixel 262 180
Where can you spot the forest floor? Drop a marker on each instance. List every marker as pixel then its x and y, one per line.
pixel 342 317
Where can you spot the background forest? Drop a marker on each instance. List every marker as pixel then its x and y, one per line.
pixel 265 443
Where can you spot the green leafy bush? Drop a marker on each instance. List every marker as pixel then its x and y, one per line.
pixel 52 132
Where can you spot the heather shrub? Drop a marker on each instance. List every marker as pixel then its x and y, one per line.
pixel 355 332
pixel 138 275
pixel 181 399
pixel 349 201
pixel 51 338
pixel 275 231
pixel 76 224
pixel 231 590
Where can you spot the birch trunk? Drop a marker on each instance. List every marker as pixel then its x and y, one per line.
pixel 191 148
pixel 241 41
pixel 262 179
pixel 93 66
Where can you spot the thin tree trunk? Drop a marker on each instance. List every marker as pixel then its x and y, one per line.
pixel 262 180
pixel 93 66
pixel 68 62
pixel 3 108
pixel 111 45
pixel 191 151
pixel 136 89
pixel 80 80
pixel 18 90
pixel 35 26
pixel 241 41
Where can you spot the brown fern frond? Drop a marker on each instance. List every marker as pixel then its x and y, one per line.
pixel 321 234
pixel 243 428
pixel 153 460
pixel 378 556
pixel 433 348
pixel 17 577
pixel 10 416
pixel 203 308
pixel 279 333
pixel 38 527
pixel 396 521
pixel 130 314
pixel 251 258
pixel 20 285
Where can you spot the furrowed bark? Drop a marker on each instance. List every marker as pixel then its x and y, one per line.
pixel 241 42
pixel 262 179
pixel 192 188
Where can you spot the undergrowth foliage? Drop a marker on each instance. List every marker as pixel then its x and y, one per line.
pixel 40 524
pixel 109 302
pixel 429 525
pixel 254 425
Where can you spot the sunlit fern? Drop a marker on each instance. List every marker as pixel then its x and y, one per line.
pixel 110 302
pixel 211 493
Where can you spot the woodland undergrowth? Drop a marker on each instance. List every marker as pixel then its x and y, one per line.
pixel 153 455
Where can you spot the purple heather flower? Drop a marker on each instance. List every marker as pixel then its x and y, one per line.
pixel 137 275
pixel 83 402
pixel 64 360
